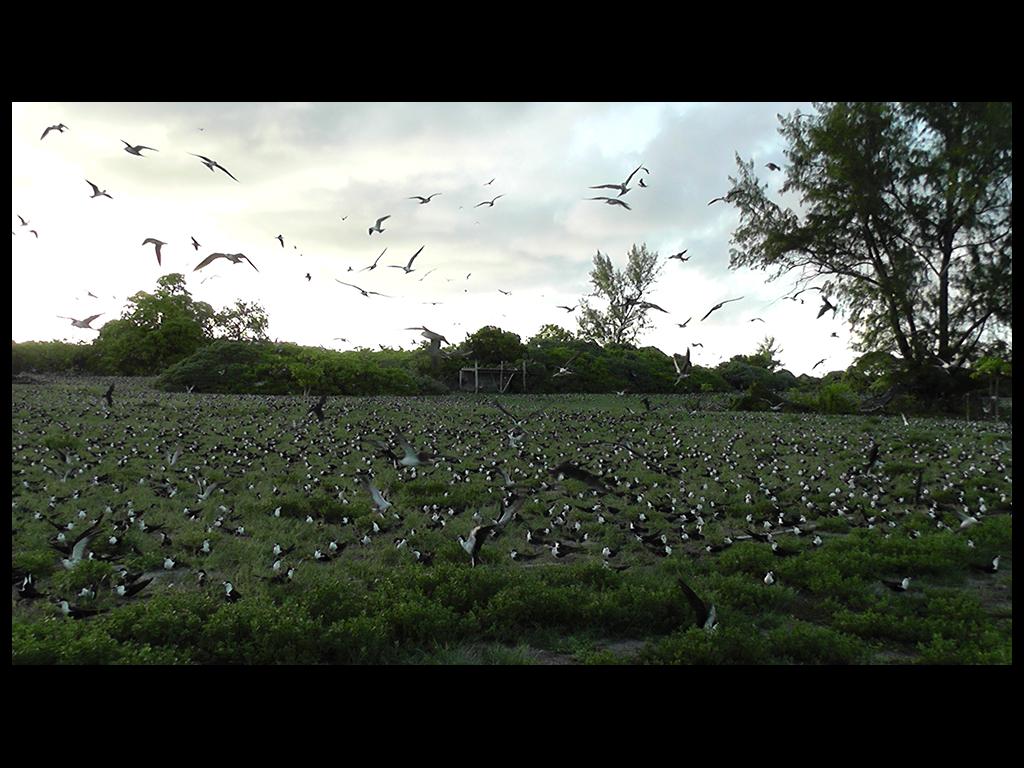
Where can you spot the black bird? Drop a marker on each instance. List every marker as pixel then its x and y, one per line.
pixel 308 277
pixel 374 265
pixel 819 363
pixel 109 396
pixel 488 202
pixel 718 306
pixel 992 567
pixel 211 164
pixel 680 256
pixel 873 456
pixel 756 318
pixel 898 586
pixel 129 590
pixel 195 244
pixel 230 593
pixel 723 199
pixel 281 238
pixel 60 128
pixel 517 555
pixel 683 325
pixel 96 190
pixel 367 294
pixel 568 469
pixel 772 167
pixel 76 612
pixel 826 307
pixel 424 200
pixel 707 617
pixel 475 541
pixel 567 309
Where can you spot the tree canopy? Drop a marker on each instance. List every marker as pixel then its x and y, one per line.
pixel 626 314
pixel 905 211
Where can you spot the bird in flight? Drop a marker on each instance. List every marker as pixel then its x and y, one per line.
pixel 344 217
pixel 682 371
pixel 489 183
pixel 612 201
pixel 24 221
pixel 281 238
pixel 408 267
pixel 772 167
pixel 756 318
pixel 211 164
pixel 642 184
pixel 158 244
pixel 507 293
pixel 723 199
pixel 234 258
pixel 137 150
pixel 424 200
pixel 819 363
pixel 680 256
pixel 718 306
pixel 377 227
pixel 826 307
pixel 374 265
pixel 429 334
pixel 96 190
pixel 683 325
pixel 81 323
pixel 60 128
pixel 365 293
pixel 624 186
pixel 308 277
pixel 424 276
pixel 195 244
pixel 649 305
pixel 567 309
pixel 488 202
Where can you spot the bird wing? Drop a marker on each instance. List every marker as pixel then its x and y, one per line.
pixel 382 219
pixel 824 308
pixel 654 306
pixel 623 203
pixel 415 255
pixel 95 189
pixel 605 186
pixel 209 259
pixel 626 182
pixel 90 319
pixel 246 257
pixel 348 284
pixel 698 605
pixel 225 170
pixel 717 306
pixel 45 132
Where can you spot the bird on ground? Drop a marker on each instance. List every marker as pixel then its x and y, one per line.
pixel 475 541
pixel 132 589
pixel 612 201
pixel 706 615
pixel 81 323
pixel 211 164
pixel 137 150
pixel 769 578
pixel 517 555
pixel 374 265
pixel 281 238
pixel 680 256
pixel 826 307
pixel 158 244
pixel 570 470
pixel 60 128
pixel 772 167
pixel 377 227
pixel 429 334
pixel 424 200
pixel 364 292
pixel 195 243
pixel 230 593
pixel 96 190
pixel 872 456
pixel 898 586
pixel 624 186
pixel 488 202
pixel 408 267
pixel 77 612
pixel 718 306
pixel 109 396
pixel 234 258
pixel 992 567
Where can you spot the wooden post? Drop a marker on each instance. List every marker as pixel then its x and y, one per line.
pixel 501 377
pixel 524 375
pixel 476 377
pixel 460 379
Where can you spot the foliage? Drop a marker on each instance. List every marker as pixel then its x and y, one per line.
pixel 245 321
pixel 491 346
pixel 626 315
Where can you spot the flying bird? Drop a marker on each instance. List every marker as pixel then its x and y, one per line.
pixel 195 244
pixel 489 183
pixel 488 202
pixel 567 309
pixel 377 227
pixel 96 190
pixel 642 184
pixel 754 319
pixel 507 293
pixel 772 167
pixel 60 128
pixel 136 150
pixel 819 363
pixel 680 256
pixel 234 258
pixel 211 164
pixel 683 325
pixel 24 222
pixel 429 334
pixel 612 201
pixel 308 277
pixel 718 306
pixel 682 371
pixel 365 293
pixel 623 187
pixel 81 323
pixel 649 305
pixel 424 200
pixel 723 199
pixel 281 238
pixel 408 267
pixel 374 265
pixel 826 307
pixel 158 244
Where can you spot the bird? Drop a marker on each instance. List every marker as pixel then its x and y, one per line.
pixel 568 469
pixel 96 190
pixel 24 222
pixel 408 267
pixel 381 503
pixel 195 243
pixel 567 309
pixel 230 593
pixel 718 306
pixel 76 612
pixel 772 167
pixel 429 334
pixel 109 396
pixel 488 202
pixel 308 277
pixel 507 293
pixel 158 244
pixel 136 150
pixel 642 184
pixel 649 305
pixel 753 319
pixel 136 586
pixel 211 164
pixel 374 265
pixel 489 183
pixel 281 238
pixel 724 199
pixel 612 201
pixel 682 371
pixel 680 256
pixel 872 456
pixel 81 323
pixel 475 541
pixel 60 128
pixel 683 325
pixel 234 258
pixel 318 408
pixel 623 187
pixel 769 578
pixel 898 586
pixel 364 292
pixel 377 227
pixel 992 567
pixel 819 363
pixel 826 307
pixel 424 200
pixel 34 233
pixel 707 616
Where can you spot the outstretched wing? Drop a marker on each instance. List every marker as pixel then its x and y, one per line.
pixel 209 259
pixel 90 319
pixel 229 174
pixel 247 258
pixel 696 603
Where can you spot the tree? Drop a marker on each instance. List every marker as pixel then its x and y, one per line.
pixel 624 290
pixel 491 345
pixel 552 334
pixel 764 356
pixel 243 322
pixel 155 330
pixel 907 214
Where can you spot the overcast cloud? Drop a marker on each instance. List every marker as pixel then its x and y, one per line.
pixel 302 167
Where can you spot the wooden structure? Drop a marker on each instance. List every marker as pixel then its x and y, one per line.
pixel 490 379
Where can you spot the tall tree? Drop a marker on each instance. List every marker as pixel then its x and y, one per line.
pixel 626 315
pixel 246 321
pixel 906 212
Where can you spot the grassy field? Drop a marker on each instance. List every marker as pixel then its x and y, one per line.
pixel 662 483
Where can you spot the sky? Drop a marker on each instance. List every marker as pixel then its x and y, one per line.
pixel 302 167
